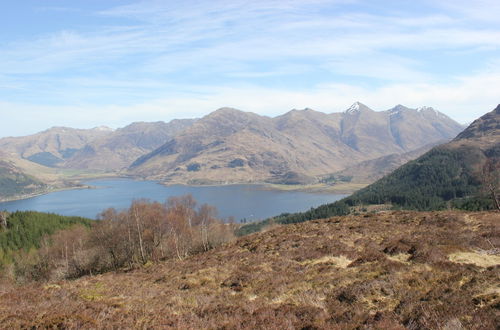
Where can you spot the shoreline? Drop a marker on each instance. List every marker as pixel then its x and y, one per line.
pixel 41 193
pixel 344 189
pixel 312 188
pixel 57 189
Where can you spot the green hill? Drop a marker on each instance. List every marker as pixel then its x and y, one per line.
pixel 450 175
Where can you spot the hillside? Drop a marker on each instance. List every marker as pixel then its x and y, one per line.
pixel 21 178
pixel 374 169
pixel 52 146
pixel 229 145
pixel 449 175
pixel 99 149
pixel 58 157
pixel 15 182
pixel 120 148
pixel 392 270
pixel 448 172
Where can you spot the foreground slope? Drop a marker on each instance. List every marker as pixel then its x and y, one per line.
pixel 229 145
pixel 386 271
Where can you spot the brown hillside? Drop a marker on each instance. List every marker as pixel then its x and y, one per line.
pixel 54 144
pixel 374 169
pixel 229 145
pixel 119 149
pixel 482 135
pixel 438 270
pixel 98 149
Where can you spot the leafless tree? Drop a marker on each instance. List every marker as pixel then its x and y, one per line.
pixel 491 180
pixel 3 219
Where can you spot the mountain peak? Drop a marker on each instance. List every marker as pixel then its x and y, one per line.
pixel 487 125
pixel 431 111
pixel 299 111
pixel 426 109
pixel 227 110
pixel 398 109
pixel 356 107
pixel 103 128
pixel 353 108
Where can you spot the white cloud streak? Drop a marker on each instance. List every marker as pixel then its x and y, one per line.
pixel 176 59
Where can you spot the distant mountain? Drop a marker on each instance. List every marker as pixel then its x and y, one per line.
pixel 229 145
pixel 31 163
pixel 374 169
pixel 100 148
pixel 450 172
pixel 449 175
pixel 15 182
pixel 53 146
pixel 120 148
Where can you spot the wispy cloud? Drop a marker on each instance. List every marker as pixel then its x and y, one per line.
pixel 263 56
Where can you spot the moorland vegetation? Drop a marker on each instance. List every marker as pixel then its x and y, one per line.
pixel 391 270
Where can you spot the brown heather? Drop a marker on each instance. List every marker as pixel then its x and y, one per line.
pixel 392 270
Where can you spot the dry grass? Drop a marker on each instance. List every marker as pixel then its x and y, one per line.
pixel 475 258
pixel 399 272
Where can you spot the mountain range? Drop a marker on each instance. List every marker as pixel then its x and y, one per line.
pixel 463 174
pixel 229 145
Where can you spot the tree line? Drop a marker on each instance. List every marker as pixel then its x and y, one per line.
pixel 462 178
pixel 146 232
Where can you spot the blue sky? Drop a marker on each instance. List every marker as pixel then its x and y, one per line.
pixel 85 63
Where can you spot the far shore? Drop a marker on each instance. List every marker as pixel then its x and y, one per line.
pixel 343 188
pixel 40 193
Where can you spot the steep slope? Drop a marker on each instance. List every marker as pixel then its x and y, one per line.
pixel 449 175
pixel 371 170
pixel 396 270
pixel 51 147
pixel 119 149
pixel 16 182
pixel 485 130
pixel 414 128
pixel 229 145
pixel 223 145
pixel 448 172
pixel 98 149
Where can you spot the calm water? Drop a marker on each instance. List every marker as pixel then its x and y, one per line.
pixel 240 201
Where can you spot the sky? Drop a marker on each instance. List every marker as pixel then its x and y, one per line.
pixel 86 63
